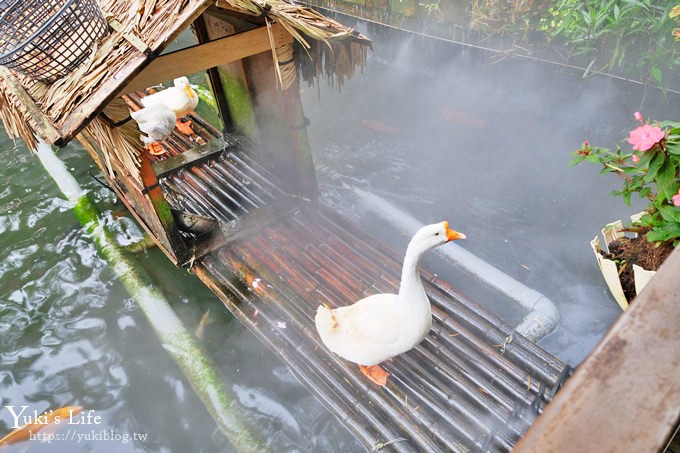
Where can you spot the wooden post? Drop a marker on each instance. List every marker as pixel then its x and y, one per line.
pixel 232 82
pixel 150 210
pixel 168 234
pixel 284 146
pixel 201 29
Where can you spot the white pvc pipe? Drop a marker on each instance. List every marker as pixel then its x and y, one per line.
pixel 543 315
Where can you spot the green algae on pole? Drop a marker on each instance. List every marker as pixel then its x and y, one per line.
pixel 180 344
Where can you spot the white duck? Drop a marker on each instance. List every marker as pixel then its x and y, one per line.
pixel 382 326
pixel 157 122
pixel 180 98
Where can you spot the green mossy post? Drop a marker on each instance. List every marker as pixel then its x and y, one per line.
pixel 285 148
pixel 199 370
pixel 232 82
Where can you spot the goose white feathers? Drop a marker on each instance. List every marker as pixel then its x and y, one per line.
pixel 382 326
pixel 180 98
pixel 156 121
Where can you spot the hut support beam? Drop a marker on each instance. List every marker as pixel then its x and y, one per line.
pixel 199 370
pixel 208 55
pixel 162 210
pixel 284 143
pixel 233 82
pixel 201 29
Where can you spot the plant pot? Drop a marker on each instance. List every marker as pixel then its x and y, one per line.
pixel 611 232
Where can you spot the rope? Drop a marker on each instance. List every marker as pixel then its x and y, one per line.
pixel 285 61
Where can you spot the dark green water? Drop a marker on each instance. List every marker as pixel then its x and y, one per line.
pixel 71 336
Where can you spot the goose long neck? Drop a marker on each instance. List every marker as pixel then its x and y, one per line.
pixel 411 283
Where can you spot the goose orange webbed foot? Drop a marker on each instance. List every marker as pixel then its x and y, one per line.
pixel 375 373
pixel 185 127
pixel 155 149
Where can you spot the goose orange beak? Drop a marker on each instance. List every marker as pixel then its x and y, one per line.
pixel 452 235
pixel 189 91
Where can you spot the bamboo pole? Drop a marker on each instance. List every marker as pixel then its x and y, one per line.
pixel 180 344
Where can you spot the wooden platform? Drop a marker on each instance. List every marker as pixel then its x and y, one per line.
pixel 471 384
pixel 274 257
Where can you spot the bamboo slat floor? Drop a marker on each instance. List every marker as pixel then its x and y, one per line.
pixel 471 385
pixel 464 388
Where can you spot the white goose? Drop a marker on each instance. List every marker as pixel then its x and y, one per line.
pixel 382 326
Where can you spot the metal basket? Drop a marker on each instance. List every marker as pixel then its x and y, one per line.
pixel 47 39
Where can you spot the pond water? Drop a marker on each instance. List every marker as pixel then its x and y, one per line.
pixel 437 130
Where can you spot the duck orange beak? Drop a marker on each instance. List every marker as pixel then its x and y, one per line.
pixel 189 91
pixel 452 235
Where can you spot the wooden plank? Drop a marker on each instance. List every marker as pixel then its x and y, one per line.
pixel 625 395
pixel 208 55
pixel 192 156
pixel 45 127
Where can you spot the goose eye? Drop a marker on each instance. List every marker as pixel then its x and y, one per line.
pixel 437 233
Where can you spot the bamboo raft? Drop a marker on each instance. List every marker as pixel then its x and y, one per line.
pixel 471 385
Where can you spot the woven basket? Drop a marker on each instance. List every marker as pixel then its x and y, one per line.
pixel 47 39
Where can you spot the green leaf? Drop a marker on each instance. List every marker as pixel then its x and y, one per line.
pixel 673 147
pixel 656 74
pixel 664 177
pixel 645 192
pixel 626 198
pixel 664 233
pixel 577 160
pixel 654 165
pixel 586 17
pixel 670 213
pixel 645 158
pixel 593 158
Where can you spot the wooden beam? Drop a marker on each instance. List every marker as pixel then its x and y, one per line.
pixel 208 55
pixel 193 156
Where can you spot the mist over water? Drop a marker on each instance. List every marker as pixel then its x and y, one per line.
pixel 438 130
pixel 482 140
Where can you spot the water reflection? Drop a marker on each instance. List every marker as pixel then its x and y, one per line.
pixel 72 336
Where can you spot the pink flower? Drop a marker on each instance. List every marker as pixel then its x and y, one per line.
pixel 638 116
pixel 676 198
pixel 635 158
pixel 645 137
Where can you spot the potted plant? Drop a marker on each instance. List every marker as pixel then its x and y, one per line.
pixel 652 170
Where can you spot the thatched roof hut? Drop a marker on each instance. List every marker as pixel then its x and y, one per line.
pixel 87 100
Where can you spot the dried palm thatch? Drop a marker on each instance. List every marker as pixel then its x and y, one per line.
pixel 334 50
pixel 58 111
pixel 95 81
